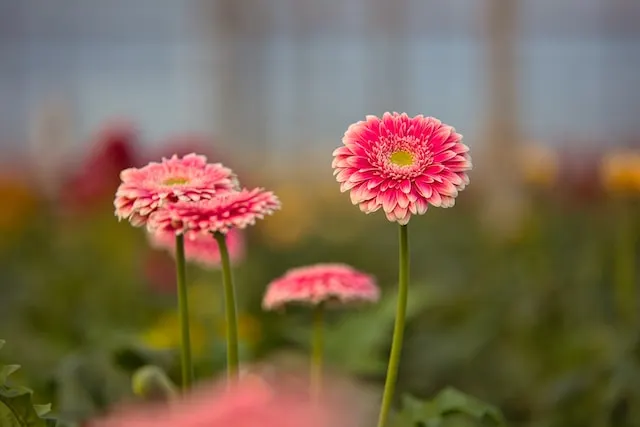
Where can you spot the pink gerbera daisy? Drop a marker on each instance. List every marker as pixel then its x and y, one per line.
pixel 250 402
pixel 319 283
pixel 401 164
pixel 219 214
pixel 200 248
pixel 189 178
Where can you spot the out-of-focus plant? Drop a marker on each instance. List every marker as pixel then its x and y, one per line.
pixel 620 174
pixel 16 406
pixel 449 408
pixel 320 286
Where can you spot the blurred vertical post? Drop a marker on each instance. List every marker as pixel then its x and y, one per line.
pixel 497 165
pixel 386 31
pixel 225 21
pixel 302 15
pixel 51 137
pixel 236 33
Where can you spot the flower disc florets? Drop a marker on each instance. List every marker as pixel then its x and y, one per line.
pixel 189 178
pixel 401 164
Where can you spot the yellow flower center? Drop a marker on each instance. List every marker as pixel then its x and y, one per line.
pixel 175 181
pixel 402 158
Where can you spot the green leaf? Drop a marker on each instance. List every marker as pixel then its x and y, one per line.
pixel 451 400
pixel 5 371
pixel 450 407
pixel 42 410
pixel 2 344
pixel 16 407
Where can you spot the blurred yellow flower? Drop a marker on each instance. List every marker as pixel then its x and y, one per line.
pixel 294 222
pixel 539 165
pixel 18 203
pixel 248 329
pixel 620 171
pixel 207 323
pixel 165 334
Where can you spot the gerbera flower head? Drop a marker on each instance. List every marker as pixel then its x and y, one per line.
pixel 189 178
pixel 200 248
pixel 319 283
pixel 401 164
pixel 252 401
pixel 220 213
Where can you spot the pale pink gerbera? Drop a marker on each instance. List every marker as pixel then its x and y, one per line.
pixel 250 403
pixel 188 178
pixel 319 283
pixel 200 248
pixel 401 164
pixel 221 213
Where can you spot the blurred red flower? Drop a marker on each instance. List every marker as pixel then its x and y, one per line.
pixel 96 179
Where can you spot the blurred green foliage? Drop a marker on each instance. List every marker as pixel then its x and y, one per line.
pixel 527 322
pixel 16 405
pixel 449 408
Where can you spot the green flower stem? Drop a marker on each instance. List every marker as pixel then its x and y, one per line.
pixel 317 350
pixel 625 285
pixel 183 313
pixel 230 308
pixel 398 330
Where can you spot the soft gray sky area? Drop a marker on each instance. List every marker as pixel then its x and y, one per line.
pixel 309 72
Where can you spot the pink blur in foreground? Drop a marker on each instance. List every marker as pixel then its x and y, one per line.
pixel 200 248
pixel 401 164
pixel 221 213
pixel 189 178
pixel 321 282
pixel 250 403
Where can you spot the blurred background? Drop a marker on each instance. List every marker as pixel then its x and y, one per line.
pixel 524 294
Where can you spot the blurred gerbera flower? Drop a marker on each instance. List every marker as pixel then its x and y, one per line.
pixel 620 171
pixel 250 402
pixel 200 248
pixel 20 202
pixel 319 283
pixel 113 149
pixel 401 164
pixel 164 334
pixel 189 178
pixel 221 213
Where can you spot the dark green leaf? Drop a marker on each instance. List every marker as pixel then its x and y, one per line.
pixel 451 400
pixel 16 406
pixel 16 410
pixel 449 408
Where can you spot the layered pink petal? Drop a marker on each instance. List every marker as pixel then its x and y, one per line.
pixel 145 189
pixel 321 282
pixel 273 399
pixel 401 164
pixel 220 213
